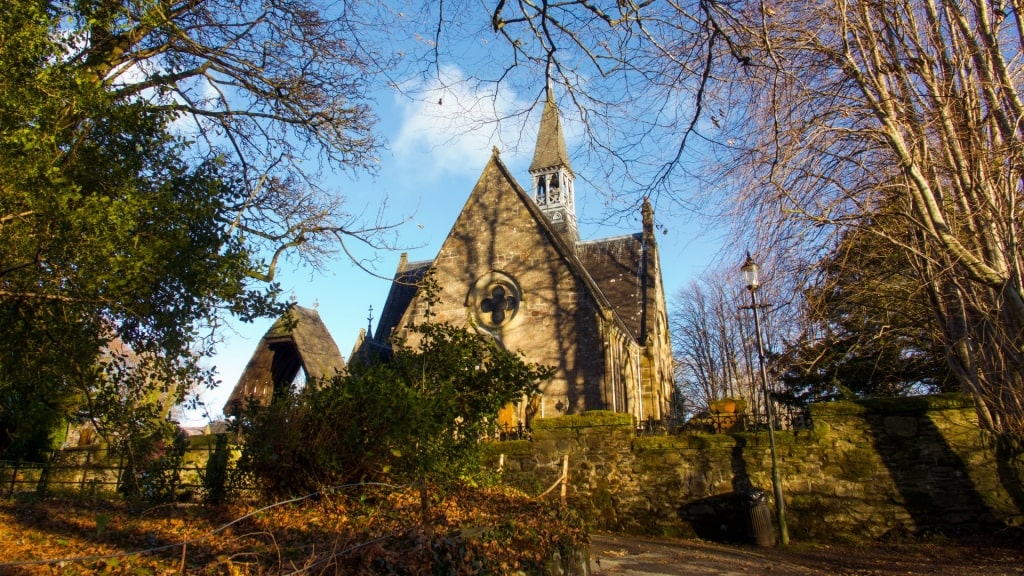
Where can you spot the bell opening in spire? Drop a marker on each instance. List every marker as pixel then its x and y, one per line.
pixel 552 174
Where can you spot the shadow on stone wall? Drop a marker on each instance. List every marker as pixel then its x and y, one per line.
pixel 931 479
pixel 723 517
pixel 1010 467
pixel 868 468
pixel 716 518
pixel 740 478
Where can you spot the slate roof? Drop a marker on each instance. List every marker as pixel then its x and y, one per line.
pixel 403 290
pixel 297 340
pixel 551 150
pixel 616 265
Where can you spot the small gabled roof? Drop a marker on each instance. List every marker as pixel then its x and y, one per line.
pixel 403 290
pixel 297 340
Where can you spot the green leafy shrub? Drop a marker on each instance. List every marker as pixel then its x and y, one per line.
pixel 415 418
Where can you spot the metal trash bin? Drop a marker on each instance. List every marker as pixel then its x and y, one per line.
pixel 759 517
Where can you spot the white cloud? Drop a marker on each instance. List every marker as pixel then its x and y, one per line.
pixel 452 126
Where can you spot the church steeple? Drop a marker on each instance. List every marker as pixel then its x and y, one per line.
pixel 552 175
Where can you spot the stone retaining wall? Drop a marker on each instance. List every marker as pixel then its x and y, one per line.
pixel 866 468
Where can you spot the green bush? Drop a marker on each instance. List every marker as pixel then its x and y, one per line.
pixel 415 418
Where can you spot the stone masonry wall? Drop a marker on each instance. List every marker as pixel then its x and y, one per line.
pixel 918 465
pixel 557 323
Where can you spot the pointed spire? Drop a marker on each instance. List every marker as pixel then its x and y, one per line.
pixel 648 219
pixel 551 150
pixel 552 175
pixel 650 271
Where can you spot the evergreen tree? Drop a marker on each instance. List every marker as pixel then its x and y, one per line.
pixel 870 331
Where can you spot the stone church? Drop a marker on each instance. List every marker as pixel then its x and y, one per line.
pixel 514 268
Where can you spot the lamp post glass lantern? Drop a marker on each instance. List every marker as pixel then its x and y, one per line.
pixel 750 270
pixel 751 282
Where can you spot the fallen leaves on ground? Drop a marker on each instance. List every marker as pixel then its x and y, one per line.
pixel 369 531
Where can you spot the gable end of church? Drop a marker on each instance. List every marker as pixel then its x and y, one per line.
pixel 513 269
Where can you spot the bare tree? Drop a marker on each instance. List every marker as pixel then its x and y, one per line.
pixel 278 89
pixel 628 72
pixel 713 340
pixel 817 114
pixel 913 105
pixel 708 345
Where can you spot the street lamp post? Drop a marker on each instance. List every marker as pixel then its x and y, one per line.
pixel 751 282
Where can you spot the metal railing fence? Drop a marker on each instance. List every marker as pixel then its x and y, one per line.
pixel 786 418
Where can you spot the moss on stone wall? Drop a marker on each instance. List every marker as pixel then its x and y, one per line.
pixel 659 443
pixel 868 467
pixel 590 419
pixel 858 465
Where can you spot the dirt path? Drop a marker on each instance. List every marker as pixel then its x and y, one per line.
pixel 614 555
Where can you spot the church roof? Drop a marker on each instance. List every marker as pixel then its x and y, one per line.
pixel 550 151
pixel 617 267
pixel 613 268
pixel 403 290
pixel 297 340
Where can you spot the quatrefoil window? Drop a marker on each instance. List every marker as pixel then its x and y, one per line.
pixel 495 298
pixel 497 304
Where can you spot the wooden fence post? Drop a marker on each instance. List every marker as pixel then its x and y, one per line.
pixel 14 479
pixel 565 478
pixel 43 485
pixel 85 472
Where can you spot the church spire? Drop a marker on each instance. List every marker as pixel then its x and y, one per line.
pixel 550 151
pixel 552 175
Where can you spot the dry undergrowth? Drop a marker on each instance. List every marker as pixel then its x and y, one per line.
pixel 372 531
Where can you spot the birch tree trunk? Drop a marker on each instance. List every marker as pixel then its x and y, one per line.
pixel 861 102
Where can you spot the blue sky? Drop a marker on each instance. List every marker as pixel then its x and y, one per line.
pixel 435 156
